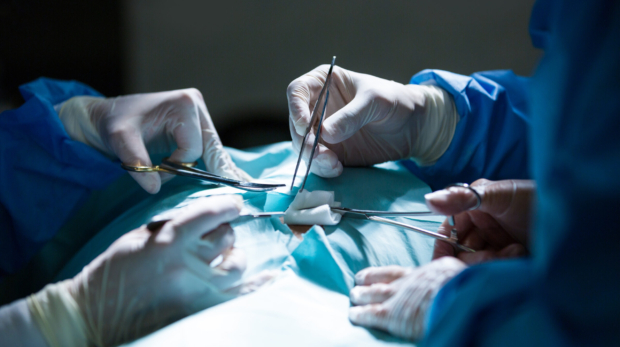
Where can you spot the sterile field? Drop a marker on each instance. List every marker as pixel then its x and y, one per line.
pixel 307 303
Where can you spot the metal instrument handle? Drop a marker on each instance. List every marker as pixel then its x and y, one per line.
pixel 435 235
pixel 383 213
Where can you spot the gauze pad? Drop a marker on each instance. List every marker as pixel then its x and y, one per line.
pixel 310 208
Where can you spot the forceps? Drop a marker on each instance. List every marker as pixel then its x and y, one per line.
pixel 452 239
pixel 375 216
pixel 324 90
pixel 188 170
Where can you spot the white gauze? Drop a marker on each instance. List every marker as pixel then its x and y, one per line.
pixel 310 208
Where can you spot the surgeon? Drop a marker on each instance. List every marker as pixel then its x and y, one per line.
pixel 64 142
pixel 67 140
pixel 558 127
pixel 145 280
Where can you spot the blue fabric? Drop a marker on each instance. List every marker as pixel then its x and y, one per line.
pixel 567 293
pixel 490 140
pixel 307 305
pixel 44 174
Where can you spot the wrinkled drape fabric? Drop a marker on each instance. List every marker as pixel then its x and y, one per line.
pixel 308 304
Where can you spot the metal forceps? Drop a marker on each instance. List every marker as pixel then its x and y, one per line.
pixel 313 117
pixel 376 216
pixel 188 170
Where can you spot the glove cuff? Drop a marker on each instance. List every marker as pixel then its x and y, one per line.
pixel 58 316
pixel 75 116
pixel 440 120
pixel 417 304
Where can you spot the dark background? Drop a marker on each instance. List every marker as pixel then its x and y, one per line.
pixel 243 54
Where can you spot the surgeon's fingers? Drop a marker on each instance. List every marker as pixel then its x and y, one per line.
pixel 371 316
pixel 511 251
pixel 234 261
pixel 206 214
pixel 186 130
pixel 298 95
pixel 302 93
pixel 451 201
pixel 128 145
pixel 480 256
pixel 373 294
pixel 489 230
pixel 326 163
pixel 295 138
pixel 214 243
pixel 230 270
pixel 508 198
pixel 497 197
pixel 382 274
pixel 443 249
pixel 347 121
pixel 465 234
pixel 215 157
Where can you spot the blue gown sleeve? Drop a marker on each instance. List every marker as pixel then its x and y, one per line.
pixel 566 293
pixel 44 175
pixel 490 140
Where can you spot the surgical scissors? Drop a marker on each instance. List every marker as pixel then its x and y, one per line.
pixel 324 90
pixel 188 170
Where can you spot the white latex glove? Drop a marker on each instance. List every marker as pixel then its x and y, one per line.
pixel 130 127
pixel 370 120
pixel 498 228
pixel 397 299
pixel 146 280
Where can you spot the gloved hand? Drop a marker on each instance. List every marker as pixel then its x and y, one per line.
pixel 499 228
pixel 370 120
pixel 146 280
pixel 397 299
pixel 130 127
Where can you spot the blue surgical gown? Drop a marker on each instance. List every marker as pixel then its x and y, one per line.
pixel 568 292
pixel 44 175
pixel 490 140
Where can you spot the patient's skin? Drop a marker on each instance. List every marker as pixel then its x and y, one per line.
pixel 298 230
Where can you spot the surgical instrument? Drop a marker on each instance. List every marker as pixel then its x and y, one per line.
pixel 452 239
pixel 375 217
pixel 188 170
pixel 159 220
pixel 383 213
pixel 451 220
pixel 324 90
